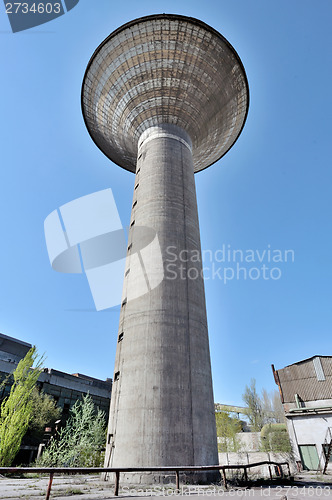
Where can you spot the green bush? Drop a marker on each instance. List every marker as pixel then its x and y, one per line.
pixel 227 430
pixel 81 442
pixel 274 437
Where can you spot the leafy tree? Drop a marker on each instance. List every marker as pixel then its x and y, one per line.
pixel 44 413
pixel 273 411
pixel 254 409
pixel 278 409
pixel 274 437
pixel 227 429
pixel 81 441
pixel 16 409
pixel 266 414
pixel 267 407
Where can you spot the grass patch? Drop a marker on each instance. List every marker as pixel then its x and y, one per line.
pixel 33 475
pixel 67 493
pixel 260 481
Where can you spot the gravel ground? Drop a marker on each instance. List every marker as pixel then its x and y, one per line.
pixel 92 487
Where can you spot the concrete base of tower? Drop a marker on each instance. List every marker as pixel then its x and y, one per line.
pixel 159 479
pixel 162 406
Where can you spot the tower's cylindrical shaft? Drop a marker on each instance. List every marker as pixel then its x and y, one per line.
pixel 162 409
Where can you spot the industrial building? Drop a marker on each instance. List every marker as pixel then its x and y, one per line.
pixel 306 393
pixel 65 388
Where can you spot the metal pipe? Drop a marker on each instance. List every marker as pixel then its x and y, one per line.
pixel 224 478
pixel 48 492
pixel 96 470
pixel 177 479
pixel 117 482
pixel 176 469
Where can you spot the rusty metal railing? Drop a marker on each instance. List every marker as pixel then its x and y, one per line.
pixel 177 469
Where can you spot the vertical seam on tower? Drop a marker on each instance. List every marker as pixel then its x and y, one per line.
pixel 188 314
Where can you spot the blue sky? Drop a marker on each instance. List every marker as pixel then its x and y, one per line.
pixel 273 188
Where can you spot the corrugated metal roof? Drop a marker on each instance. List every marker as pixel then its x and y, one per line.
pixel 310 383
pixel 308 359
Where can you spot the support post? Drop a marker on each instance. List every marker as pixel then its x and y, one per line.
pixel 224 478
pixel 116 485
pixel 245 474
pixel 270 471
pixel 49 486
pixel 177 479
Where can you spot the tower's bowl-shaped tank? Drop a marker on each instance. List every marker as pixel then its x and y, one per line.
pixel 165 69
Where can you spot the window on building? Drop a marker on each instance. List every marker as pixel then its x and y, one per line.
pixel 66 408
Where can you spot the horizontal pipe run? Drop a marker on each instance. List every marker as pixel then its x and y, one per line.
pixel 176 469
pixel 96 470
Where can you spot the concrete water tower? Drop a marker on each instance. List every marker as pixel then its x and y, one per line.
pixel 164 96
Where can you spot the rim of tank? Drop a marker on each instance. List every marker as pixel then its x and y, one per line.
pixel 142 19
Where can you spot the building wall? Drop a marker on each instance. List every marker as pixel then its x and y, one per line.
pixel 246 441
pixel 306 393
pixel 67 389
pixel 249 441
pixel 12 350
pixel 309 430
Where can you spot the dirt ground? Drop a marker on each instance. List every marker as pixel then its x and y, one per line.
pixel 90 487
